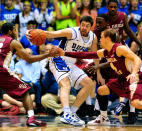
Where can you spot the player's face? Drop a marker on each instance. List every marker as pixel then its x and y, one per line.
pixel 85 27
pixel 134 3
pixel 103 40
pixel 8 3
pixel 27 7
pixel 112 8
pixel 101 24
pixel 123 2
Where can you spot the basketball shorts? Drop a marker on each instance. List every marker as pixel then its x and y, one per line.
pixel 11 84
pixel 61 69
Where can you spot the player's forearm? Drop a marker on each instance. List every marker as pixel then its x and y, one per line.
pixel 34 58
pixel 137 65
pixel 82 55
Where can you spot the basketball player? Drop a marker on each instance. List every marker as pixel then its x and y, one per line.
pixel 10 82
pixel 118 20
pixel 64 70
pixel 125 63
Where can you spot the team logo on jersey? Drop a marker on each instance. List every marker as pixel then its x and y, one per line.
pixel 76 47
pixel 23 86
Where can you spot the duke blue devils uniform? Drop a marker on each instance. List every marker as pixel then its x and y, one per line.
pixel 64 66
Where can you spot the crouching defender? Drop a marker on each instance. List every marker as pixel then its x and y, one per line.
pixel 125 63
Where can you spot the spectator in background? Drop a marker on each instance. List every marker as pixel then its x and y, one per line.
pixel 103 8
pixel 135 15
pixel 134 47
pixel 140 5
pixel 34 4
pixel 65 14
pixel 30 75
pixel 87 9
pixel 123 6
pixel 43 15
pixel 32 24
pixel 97 4
pixel 18 5
pixel 22 19
pixel 9 13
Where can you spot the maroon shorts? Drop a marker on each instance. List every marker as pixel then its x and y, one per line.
pixel 121 88
pixel 12 85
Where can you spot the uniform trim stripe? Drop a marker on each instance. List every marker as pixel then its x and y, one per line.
pixel 77 79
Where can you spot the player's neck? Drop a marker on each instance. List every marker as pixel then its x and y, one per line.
pixel 109 46
pixel 113 18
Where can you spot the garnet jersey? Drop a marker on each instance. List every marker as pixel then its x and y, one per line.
pixel 119 64
pixel 118 24
pixel 5 53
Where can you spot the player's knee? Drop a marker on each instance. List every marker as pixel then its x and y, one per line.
pixel 88 83
pixel 103 90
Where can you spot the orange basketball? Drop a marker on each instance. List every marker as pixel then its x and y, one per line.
pixel 38 36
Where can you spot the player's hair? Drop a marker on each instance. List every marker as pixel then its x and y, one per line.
pixel 112 1
pixel 6 27
pixel 112 34
pixel 87 19
pixel 105 16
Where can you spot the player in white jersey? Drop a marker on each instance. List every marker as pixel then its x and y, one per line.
pixel 66 73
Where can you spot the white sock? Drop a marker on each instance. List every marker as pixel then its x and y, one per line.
pixel 88 100
pixel 74 109
pixel 67 109
pixel 97 107
pixel 30 113
pixel 132 109
pixel 104 113
pixel 125 100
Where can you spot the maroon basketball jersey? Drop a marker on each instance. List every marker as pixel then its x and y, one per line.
pixel 116 63
pixel 5 54
pixel 118 24
pixel 98 34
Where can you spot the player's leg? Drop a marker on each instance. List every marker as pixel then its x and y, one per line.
pixel 61 73
pixel 102 97
pixel 15 87
pixel 136 95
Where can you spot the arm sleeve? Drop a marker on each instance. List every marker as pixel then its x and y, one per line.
pixel 82 55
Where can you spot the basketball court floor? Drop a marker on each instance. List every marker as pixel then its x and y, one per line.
pixel 18 123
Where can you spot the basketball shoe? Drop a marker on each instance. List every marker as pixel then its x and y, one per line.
pixel 32 121
pixel 72 118
pixel 100 120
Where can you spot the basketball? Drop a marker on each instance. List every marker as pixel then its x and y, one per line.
pixel 38 36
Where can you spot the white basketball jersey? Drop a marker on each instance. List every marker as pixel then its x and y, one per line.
pixel 78 42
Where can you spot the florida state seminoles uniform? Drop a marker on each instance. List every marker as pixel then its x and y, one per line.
pixel 9 81
pixel 120 85
pixel 118 24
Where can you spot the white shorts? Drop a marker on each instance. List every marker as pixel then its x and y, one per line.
pixel 61 70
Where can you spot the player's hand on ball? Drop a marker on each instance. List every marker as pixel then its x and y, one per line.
pixel 28 35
